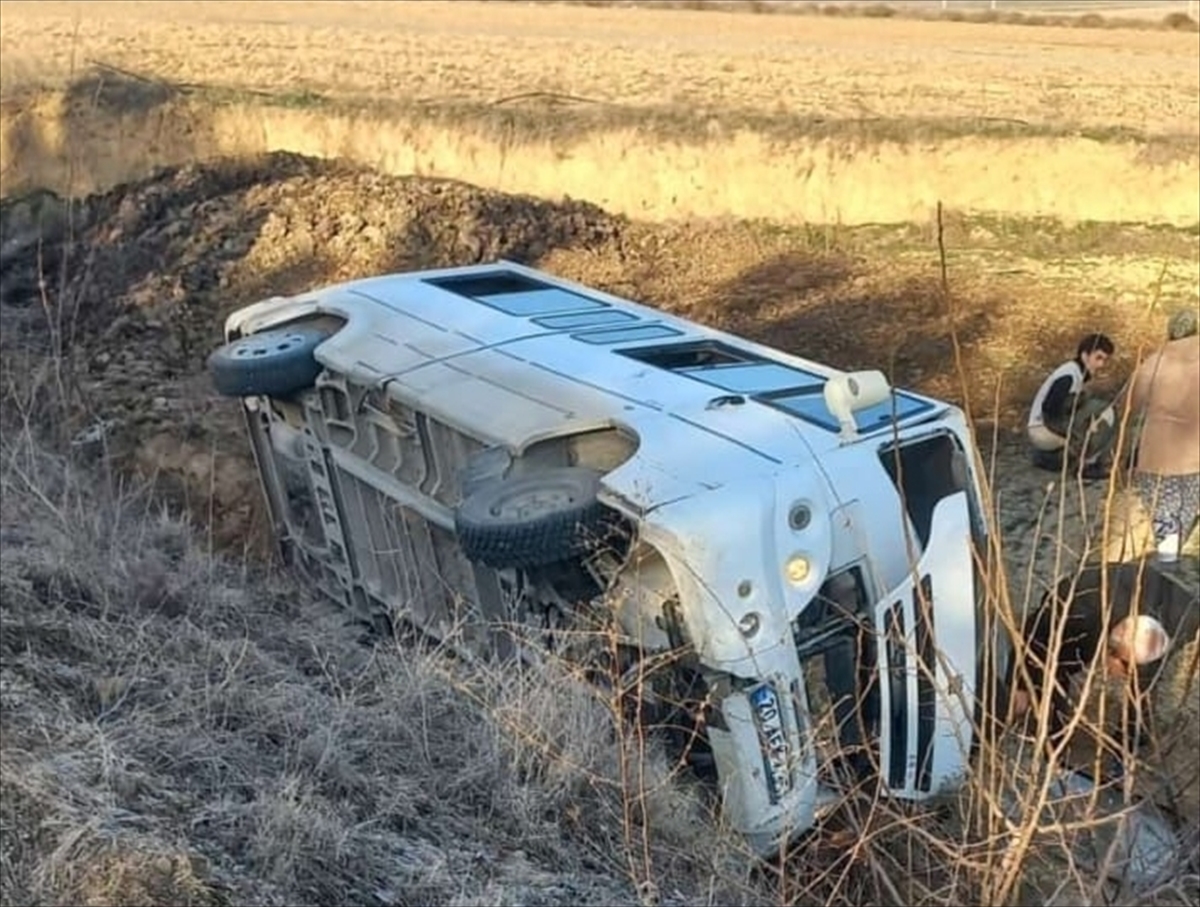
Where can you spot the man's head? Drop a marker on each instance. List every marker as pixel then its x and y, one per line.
pixel 1094 351
pixel 1136 641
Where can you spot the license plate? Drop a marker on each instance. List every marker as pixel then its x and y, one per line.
pixel 768 716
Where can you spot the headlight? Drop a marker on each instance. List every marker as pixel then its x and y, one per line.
pixel 797 569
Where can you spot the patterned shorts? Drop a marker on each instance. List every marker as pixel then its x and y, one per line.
pixel 1173 501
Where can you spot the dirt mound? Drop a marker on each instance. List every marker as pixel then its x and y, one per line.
pixel 129 289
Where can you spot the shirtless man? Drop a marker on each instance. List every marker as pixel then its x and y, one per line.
pixel 1164 394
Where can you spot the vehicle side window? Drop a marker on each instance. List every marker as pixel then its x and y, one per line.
pixel 924 472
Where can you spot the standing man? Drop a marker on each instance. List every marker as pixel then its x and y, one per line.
pixel 1164 395
pixel 1076 628
pixel 1065 418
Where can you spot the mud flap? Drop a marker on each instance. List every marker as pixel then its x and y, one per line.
pixel 928 631
pixel 500 642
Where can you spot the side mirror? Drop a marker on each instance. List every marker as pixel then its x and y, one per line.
pixel 847 393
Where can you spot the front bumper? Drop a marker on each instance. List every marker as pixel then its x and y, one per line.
pixel 766 763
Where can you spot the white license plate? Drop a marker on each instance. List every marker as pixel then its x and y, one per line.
pixel 768 716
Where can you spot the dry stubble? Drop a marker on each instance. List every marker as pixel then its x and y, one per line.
pixel 1146 81
pixel 830 121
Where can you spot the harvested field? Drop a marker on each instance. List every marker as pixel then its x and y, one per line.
pixel 801 66
pixel 822 119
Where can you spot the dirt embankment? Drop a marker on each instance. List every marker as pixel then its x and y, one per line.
pixel 107 131
pixel 139 281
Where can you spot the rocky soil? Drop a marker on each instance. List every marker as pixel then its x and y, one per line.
pixel 132 288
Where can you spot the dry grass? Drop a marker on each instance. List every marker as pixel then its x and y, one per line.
pixel 184 729
pixel 661 164
pixel 803 67
pixel 827 119
pixel 179 729
pixel 294 47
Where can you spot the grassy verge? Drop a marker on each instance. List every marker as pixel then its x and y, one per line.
pixel 553 117
pixel 565 119
pixel 183 729
pixel 1006 240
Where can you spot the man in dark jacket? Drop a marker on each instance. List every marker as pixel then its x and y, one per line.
pixel 1125 616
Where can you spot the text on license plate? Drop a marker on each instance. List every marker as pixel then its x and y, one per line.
pixel 768 717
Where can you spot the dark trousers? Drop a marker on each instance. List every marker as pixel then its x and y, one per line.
pixel 1137 708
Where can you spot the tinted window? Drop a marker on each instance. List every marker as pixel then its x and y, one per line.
pixel 691 355
pixel 755 378
pixel 924 472
pixel 495 283
pixel 540 302
pixel 810 406
pixel 624 335
pixel 583 319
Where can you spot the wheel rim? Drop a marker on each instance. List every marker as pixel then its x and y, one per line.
pixel 532 503
pixel 257 347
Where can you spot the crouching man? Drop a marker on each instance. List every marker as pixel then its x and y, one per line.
pixel 1123 617
pixel 1065 419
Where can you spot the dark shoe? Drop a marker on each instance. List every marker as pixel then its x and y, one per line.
pixel 1094 472
pixel 1112 768
pixel 1050 460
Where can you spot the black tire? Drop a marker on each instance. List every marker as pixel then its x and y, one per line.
pixel 533 520
pixel 275 363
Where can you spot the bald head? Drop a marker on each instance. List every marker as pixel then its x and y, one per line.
pixel 1139 640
